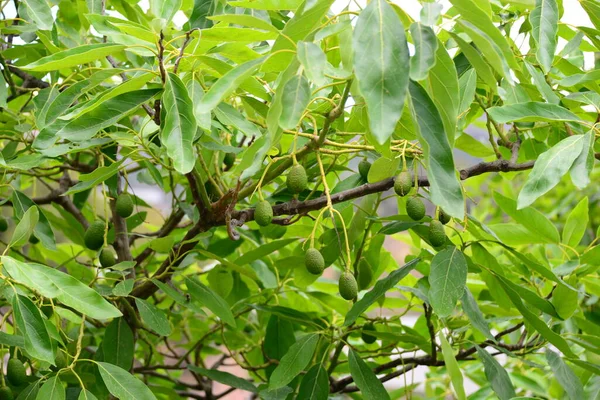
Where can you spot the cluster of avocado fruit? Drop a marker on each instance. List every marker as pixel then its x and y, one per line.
pixel 94 235
pixel 16 375
pixel 415 209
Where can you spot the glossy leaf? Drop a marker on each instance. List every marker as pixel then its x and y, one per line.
pixel 584 163
pixel 497 376
pixel 314 385
pixel 122 384
pixel 225 378
pixel 211 300
pixel 313 61
pixel 447 280
pixel 40 12
pixel 530 112
pixel 294 361
pixel 381 66
pixel 74 57
pixel 565 376
pixel 365 379
pixel 31 325
pixel 25 227
pixel 118 344
pixel 475 315
pixel 544 27
pixel 99 175
pixel 296 96
pixel 576 224
pixel 52 389
pixel 426 45
pixel 456 376
pixel 153 318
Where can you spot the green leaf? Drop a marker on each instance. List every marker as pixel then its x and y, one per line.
pixel 484 70
pixel 74 57
pixel 540 82
pixel 178 125
pixel 314 385
pixel 453 368
pixel 584 163
pixel 444 185
pixel 12 340
pixel 178 297
pixel 263 251
pixel 530 112
pixel 447 280
pixel 467 84
pixel 365 378
pixel 225 378
pixel 165 9
pixel 68 290
pixel 549 169
pixel 497 376
pixel 296 96
pixel 25 227
pixel 565 299
pixel 122 384
pixel 576 224
pixel 565 376
pixel 268 4
pixel 86 395
pixel 229 82
pixel 230 116
pixel 52 389
pixel 383 168
pixel 210 300
pixel 381 66
pixel 544 29
pixel 380 288
pixel 118 344
pixel 40 13
pixel 294 361
pixel 153 317
pixel 536 222
pixel 426 44
pixel 313 61
pixel 442 87
pixel 30 392
pixel 244 19
pixel 475 315
pixel 33 329
pixel 99 175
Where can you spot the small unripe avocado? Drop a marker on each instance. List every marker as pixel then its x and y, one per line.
pixel 94 236
pixel 403 183
pixel 263 213
pixel 365 274
pixel 314 262
pixel 368 339
pixel 348 286
pixel 363 169
pixel 16 372
pixel 6 393
pixel 443 217
pixel 124 205
pixel 61 360
pixel 415 208
pixel 296 179
pixel 3 224
pixel 437 235
pixel 33 239
pixel 229 160
pixel 107 257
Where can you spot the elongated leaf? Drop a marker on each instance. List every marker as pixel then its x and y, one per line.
pixel 484 70
pixel 267 4
pixel 122 384
pixel 225 378
pixel 99 175
pixel 426 44
pixel 456 376
pixel 74 57
pixel 296 96
pixel 118 344
pixel 544 29
pixel 381 66
pixel 576 224
pixel 365 378
pixel 178 124
pixel 584 163
pixel 314 385
pixel 380 288
pixel 40 12
pixel 244 19
pixel 86 395
pixel 467 84
pixel 230 116
pixel 25 227
pixel 447 279
pixel 211 300
pixel 565 376
pixel 497 376
pixel 314 62
pixel 541 84
pixel 530 112
pixel 445 187
pixel 68 290
pixel 52 390
pixel 294 361
pixel 566 299
pixel 31 325
pixel 153 317
pixel 227 84
pixel 549 168
pixel 475 315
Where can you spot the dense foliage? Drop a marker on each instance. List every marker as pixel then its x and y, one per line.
pixel 285 143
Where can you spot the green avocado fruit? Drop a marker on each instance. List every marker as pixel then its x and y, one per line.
pixel 16 372
pixel 94 236
pixel 296 179
pixel 403 183
pixel 229 160
pixel 368 339
pixel 363 169
pixel 124 205
pixel 314 262
pixel 415 208
pixel 6 393
pixel 107 257
pixel 437 235
pixel 3 224
pixel 263 213
pixel 348 286
pixel 365 274
pixel 443 217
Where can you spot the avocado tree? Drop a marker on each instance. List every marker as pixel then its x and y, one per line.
pixel 198 198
